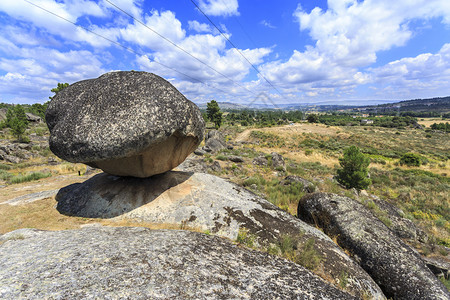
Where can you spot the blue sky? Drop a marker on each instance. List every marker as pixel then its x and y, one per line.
pixel 314 51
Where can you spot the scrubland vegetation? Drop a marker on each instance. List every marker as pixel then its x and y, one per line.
pixel 408 164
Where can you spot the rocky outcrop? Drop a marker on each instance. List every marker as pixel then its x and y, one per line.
pixel 278 161
pixel 261 161
pixel 214 141
pixel 439 266
pixel 126 123
pixel 397 269
pixel 209 203
pixel 33 118
pixel 138 263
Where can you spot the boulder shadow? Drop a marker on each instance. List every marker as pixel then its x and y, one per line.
pixel 109 196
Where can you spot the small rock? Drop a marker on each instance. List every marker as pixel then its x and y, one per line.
pixel 199 152
pixel 215 166
pixel 236 159
pixel 278 161
pixel 52 161
pixel 11 159
pixel 260 161
pixel 33 118
pixel 24 146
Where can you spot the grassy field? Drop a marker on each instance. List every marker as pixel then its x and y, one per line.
pixel 312 151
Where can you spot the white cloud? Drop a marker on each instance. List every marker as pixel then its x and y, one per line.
pixel 199 27
pixel 219 7
pixel 267 24
pixel 411 76
pixel 164 23
pixel 347 37
pixel 31 77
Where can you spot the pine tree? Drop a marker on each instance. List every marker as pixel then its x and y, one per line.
pixel 214 113
pixel 354 171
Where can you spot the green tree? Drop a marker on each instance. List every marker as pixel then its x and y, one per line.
pixel 18 128
pixel 16 119
pixel 58 89
pixel 313 118
pixel 214 113
pixel 354 169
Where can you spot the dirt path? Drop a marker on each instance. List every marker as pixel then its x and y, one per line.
pixel 243 136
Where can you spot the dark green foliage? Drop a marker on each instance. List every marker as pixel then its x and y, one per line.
pixel 263 118
pixel 58 88
pixel 213 112
pixel 38 109
pixel 313 118
pixel 354 169
pixel 441 126
pixel 17 121
pixel 411 159
pixel 18 128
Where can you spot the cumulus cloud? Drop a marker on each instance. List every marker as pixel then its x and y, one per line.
pixel 40 69
pixel 199 27
pixel 414 75
pixel 347 37
pixel 219 7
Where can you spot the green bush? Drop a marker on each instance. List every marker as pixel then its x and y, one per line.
pixel 354 169
pixel 29 177
pixel 221 157
pixel 411 159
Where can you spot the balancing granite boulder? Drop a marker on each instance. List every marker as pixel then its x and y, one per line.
pixel 126 123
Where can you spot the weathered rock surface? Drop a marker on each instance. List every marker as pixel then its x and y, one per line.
pixel 138 263
pixel 214 141
pixel 261 161
pixel 235 158
pixel 126 123
pixel 402 227
pixel 33 118
pixel 278 161
pixel 439 266
pixel 397 269
pixel 208 203
pixel 28 198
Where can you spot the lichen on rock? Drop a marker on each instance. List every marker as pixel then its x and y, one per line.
pixel 126 123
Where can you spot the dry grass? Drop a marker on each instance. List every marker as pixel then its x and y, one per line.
pixel 429 121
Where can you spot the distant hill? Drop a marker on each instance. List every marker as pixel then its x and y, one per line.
pixel 436 105
pixel 432 106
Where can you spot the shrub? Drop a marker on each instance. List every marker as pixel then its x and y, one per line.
pixel 221 157
pixel 29 177
pixel 354 171
pixel 410 159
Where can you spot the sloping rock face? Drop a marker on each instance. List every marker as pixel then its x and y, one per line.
pixel 138 263
pixel 212 204
pixel 126 123
pixel 397 269
pixel 402 227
